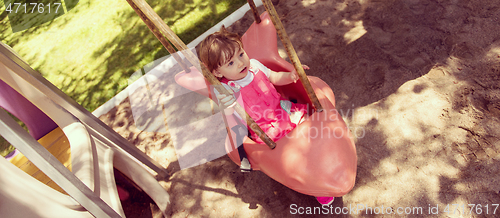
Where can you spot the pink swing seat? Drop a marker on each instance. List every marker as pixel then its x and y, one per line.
pixel 318 157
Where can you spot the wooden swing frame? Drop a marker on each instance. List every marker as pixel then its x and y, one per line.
pixel 160 29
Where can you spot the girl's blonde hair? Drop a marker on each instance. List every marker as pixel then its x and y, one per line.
pixel 218 48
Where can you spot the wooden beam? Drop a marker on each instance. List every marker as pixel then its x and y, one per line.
pixel 159 36
pixel 255 12
pixel 292 54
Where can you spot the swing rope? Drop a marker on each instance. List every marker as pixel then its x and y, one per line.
pixel 290 51
pixel 143 9
pixel 159 36
pixel 256 15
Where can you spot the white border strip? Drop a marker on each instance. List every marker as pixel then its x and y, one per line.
pixel 169 62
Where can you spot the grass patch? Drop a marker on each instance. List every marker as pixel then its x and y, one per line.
pixel 5 146
pixel 91 51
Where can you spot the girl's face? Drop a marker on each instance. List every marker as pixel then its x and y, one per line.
pixel 236 68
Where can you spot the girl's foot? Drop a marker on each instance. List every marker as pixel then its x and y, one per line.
pixel 245 165
pixel 325 200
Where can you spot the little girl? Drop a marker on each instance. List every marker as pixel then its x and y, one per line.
pixel 253 84
pixel 222 53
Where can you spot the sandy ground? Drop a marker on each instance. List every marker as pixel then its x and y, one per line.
pixel 417 81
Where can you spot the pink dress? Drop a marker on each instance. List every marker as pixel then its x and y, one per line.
pixel 262 103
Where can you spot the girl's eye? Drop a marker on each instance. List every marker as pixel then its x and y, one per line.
pixel 230 63
pixel 241 55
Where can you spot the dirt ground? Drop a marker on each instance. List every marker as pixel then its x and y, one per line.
pixel 418 83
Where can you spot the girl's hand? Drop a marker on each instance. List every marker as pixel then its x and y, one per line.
pixel 227 101
pixel 295 76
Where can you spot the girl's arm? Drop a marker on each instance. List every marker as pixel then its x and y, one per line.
pixel 284 78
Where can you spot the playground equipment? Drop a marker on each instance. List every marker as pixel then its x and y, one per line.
pixel 318 157
pixel 81 182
